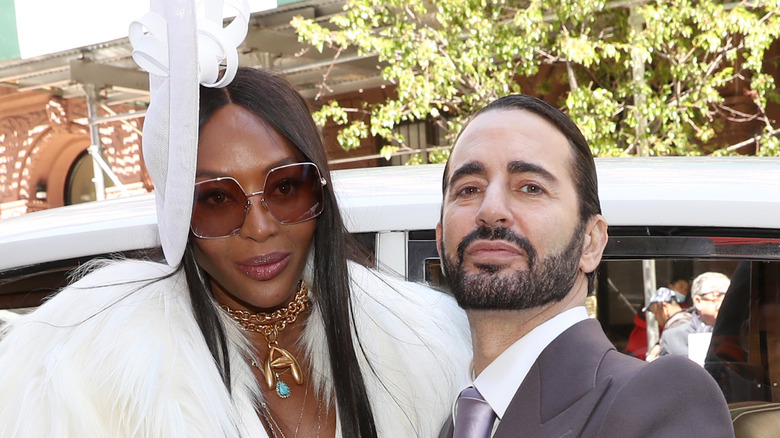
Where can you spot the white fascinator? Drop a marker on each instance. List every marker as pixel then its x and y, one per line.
pixel 182 44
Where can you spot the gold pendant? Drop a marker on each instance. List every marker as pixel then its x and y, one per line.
pixel 284 361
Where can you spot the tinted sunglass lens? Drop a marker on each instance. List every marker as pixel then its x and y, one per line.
pixel 293 194
pixel 218 209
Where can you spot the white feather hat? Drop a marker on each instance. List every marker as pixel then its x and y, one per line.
pixel 182 44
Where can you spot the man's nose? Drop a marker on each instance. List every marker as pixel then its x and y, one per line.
pixel 494 209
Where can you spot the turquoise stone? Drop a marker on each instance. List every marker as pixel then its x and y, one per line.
pixel 282 390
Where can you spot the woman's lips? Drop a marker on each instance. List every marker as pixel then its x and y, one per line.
pixel 265 267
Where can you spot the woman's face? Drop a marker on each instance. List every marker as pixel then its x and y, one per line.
pixel 259 267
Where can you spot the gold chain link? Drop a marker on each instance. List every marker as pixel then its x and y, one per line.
pixel 270 324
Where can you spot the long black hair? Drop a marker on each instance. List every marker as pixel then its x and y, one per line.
pixel 274 100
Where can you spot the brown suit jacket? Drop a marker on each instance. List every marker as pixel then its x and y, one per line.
pixel 580 386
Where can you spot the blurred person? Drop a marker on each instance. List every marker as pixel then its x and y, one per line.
pixel 683 288
pixel 707 291
pixel 663 304
pixel 637 340
pixel 665 307
pixel 668 314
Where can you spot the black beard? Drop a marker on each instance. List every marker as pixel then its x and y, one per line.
pixel 545 281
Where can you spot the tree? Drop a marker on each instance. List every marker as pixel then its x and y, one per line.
pixel 644 77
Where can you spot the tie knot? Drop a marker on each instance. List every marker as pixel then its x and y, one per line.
pixel 471 393
pixel 473 416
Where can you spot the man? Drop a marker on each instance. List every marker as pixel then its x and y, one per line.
pixel 664 303
pixel 708 290
pixel 664 306
pixel 520 236
pixel 668 313
pixel 682 286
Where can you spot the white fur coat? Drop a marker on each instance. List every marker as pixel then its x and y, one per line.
pixel 128 360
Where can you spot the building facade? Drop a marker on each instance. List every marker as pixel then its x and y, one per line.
pixel 71 122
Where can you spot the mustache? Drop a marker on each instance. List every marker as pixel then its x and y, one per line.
pixel 497 233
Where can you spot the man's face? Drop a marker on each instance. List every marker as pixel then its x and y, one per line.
pixel 681 286
pixel 660 312
pixel 708 305
pixel 510 236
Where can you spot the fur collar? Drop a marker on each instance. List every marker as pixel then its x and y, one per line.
pixel 129 360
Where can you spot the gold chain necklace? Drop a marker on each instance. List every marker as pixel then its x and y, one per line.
pixel 269 325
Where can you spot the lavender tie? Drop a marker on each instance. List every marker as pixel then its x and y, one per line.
pixel 473 416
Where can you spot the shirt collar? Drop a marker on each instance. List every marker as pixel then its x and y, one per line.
pixel 499 382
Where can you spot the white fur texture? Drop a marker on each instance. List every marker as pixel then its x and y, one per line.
pixel 129 360
pixel 418 344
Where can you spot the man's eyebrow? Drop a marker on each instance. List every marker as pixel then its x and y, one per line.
pixel 526 167
pixel 470 168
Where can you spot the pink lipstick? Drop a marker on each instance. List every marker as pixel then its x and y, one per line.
pixel 266 266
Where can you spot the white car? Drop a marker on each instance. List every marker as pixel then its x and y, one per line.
pixel 669 217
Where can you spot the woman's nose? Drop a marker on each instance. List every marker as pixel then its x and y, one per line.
pixel 259 224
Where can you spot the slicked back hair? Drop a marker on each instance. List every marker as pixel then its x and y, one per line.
pixel 583 168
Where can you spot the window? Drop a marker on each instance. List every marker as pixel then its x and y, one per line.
pixel 80 186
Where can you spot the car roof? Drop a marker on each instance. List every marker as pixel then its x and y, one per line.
pixel 730 192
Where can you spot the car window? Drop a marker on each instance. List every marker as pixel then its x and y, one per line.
pixel 743 351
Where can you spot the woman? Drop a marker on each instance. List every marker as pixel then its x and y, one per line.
pixel 265 330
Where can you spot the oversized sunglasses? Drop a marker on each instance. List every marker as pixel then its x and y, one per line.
pixel 291 193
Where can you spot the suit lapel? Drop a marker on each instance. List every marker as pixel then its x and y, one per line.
pixel 560 392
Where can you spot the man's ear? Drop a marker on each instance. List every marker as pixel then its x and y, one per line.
pixel 697 302
pixel 593 243
pixel 438 240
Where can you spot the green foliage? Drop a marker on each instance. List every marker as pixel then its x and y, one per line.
pixel 648 80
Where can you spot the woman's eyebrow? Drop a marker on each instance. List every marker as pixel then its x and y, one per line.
pixel 207 173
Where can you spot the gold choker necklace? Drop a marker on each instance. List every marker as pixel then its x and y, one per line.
pixel 269 325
